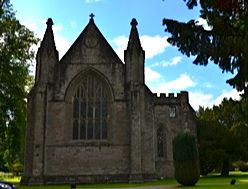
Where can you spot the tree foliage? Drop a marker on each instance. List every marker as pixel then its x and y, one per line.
pixel 15 57
pixel 222 135
pixel 224 44
pixel 185 148
pixel 185 156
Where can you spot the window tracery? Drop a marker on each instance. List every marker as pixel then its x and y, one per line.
pixel 90 109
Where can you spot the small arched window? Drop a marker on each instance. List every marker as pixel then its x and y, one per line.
pixel 90 109
pixel 160 142
pixel 172 111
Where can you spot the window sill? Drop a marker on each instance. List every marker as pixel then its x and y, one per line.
pixel 90 142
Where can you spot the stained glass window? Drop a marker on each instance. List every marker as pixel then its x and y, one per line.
pixel 90 109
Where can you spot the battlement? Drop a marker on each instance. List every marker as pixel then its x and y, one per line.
pixel 164 98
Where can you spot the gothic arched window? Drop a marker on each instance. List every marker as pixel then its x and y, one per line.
pixel 90 109
pixel 160 142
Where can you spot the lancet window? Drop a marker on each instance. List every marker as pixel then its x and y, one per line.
pixel 160 142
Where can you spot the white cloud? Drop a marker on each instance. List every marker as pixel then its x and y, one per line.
pixel 176 60
pixel 164 63
pixel 183 82
pixel 198 98
pixel 62 44
pixel 153 45
pixel 120 43
pixel 203 22
pixel 30 25
pixel 151 75
pixel 57 28
pixel 234 94
pixel 157 83
pixel 91 1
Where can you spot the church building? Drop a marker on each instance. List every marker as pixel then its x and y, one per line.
pixel 91 117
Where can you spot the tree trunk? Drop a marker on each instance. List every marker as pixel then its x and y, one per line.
pixel 225 167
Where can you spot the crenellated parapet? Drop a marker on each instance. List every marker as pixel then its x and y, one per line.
pixel 171 98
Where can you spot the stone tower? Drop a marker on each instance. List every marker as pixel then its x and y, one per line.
pixel 134 57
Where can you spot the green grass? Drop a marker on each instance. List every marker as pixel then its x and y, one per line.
pixel 213 181
pixel 8 177
pixel 169 182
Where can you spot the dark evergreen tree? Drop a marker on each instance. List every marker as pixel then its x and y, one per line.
pixel 225 44
pixel 222 135
pixel 185 155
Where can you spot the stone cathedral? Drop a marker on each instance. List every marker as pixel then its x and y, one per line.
pixel 91 117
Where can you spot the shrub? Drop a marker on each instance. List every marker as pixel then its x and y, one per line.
pixel 185 155
pixel 241 165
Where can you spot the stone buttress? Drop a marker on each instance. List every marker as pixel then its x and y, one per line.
pixel 46 58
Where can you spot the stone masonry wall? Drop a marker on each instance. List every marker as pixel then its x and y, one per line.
pixel 174 114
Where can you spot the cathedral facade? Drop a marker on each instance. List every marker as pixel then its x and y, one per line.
pixel 91 118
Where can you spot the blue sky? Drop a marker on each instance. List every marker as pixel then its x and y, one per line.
pixel 166 69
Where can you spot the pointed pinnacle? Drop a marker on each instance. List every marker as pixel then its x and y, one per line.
pixel 49 22
pixel 134 22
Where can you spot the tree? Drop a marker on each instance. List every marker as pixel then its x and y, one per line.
pixel 209 135
pixel 222 135
pixel 16 55
pixel 240 128
pixel 225 44
pixel 185 156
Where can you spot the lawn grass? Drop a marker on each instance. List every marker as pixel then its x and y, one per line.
pixel 167 182
pixel 213 181
pixel 8 177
